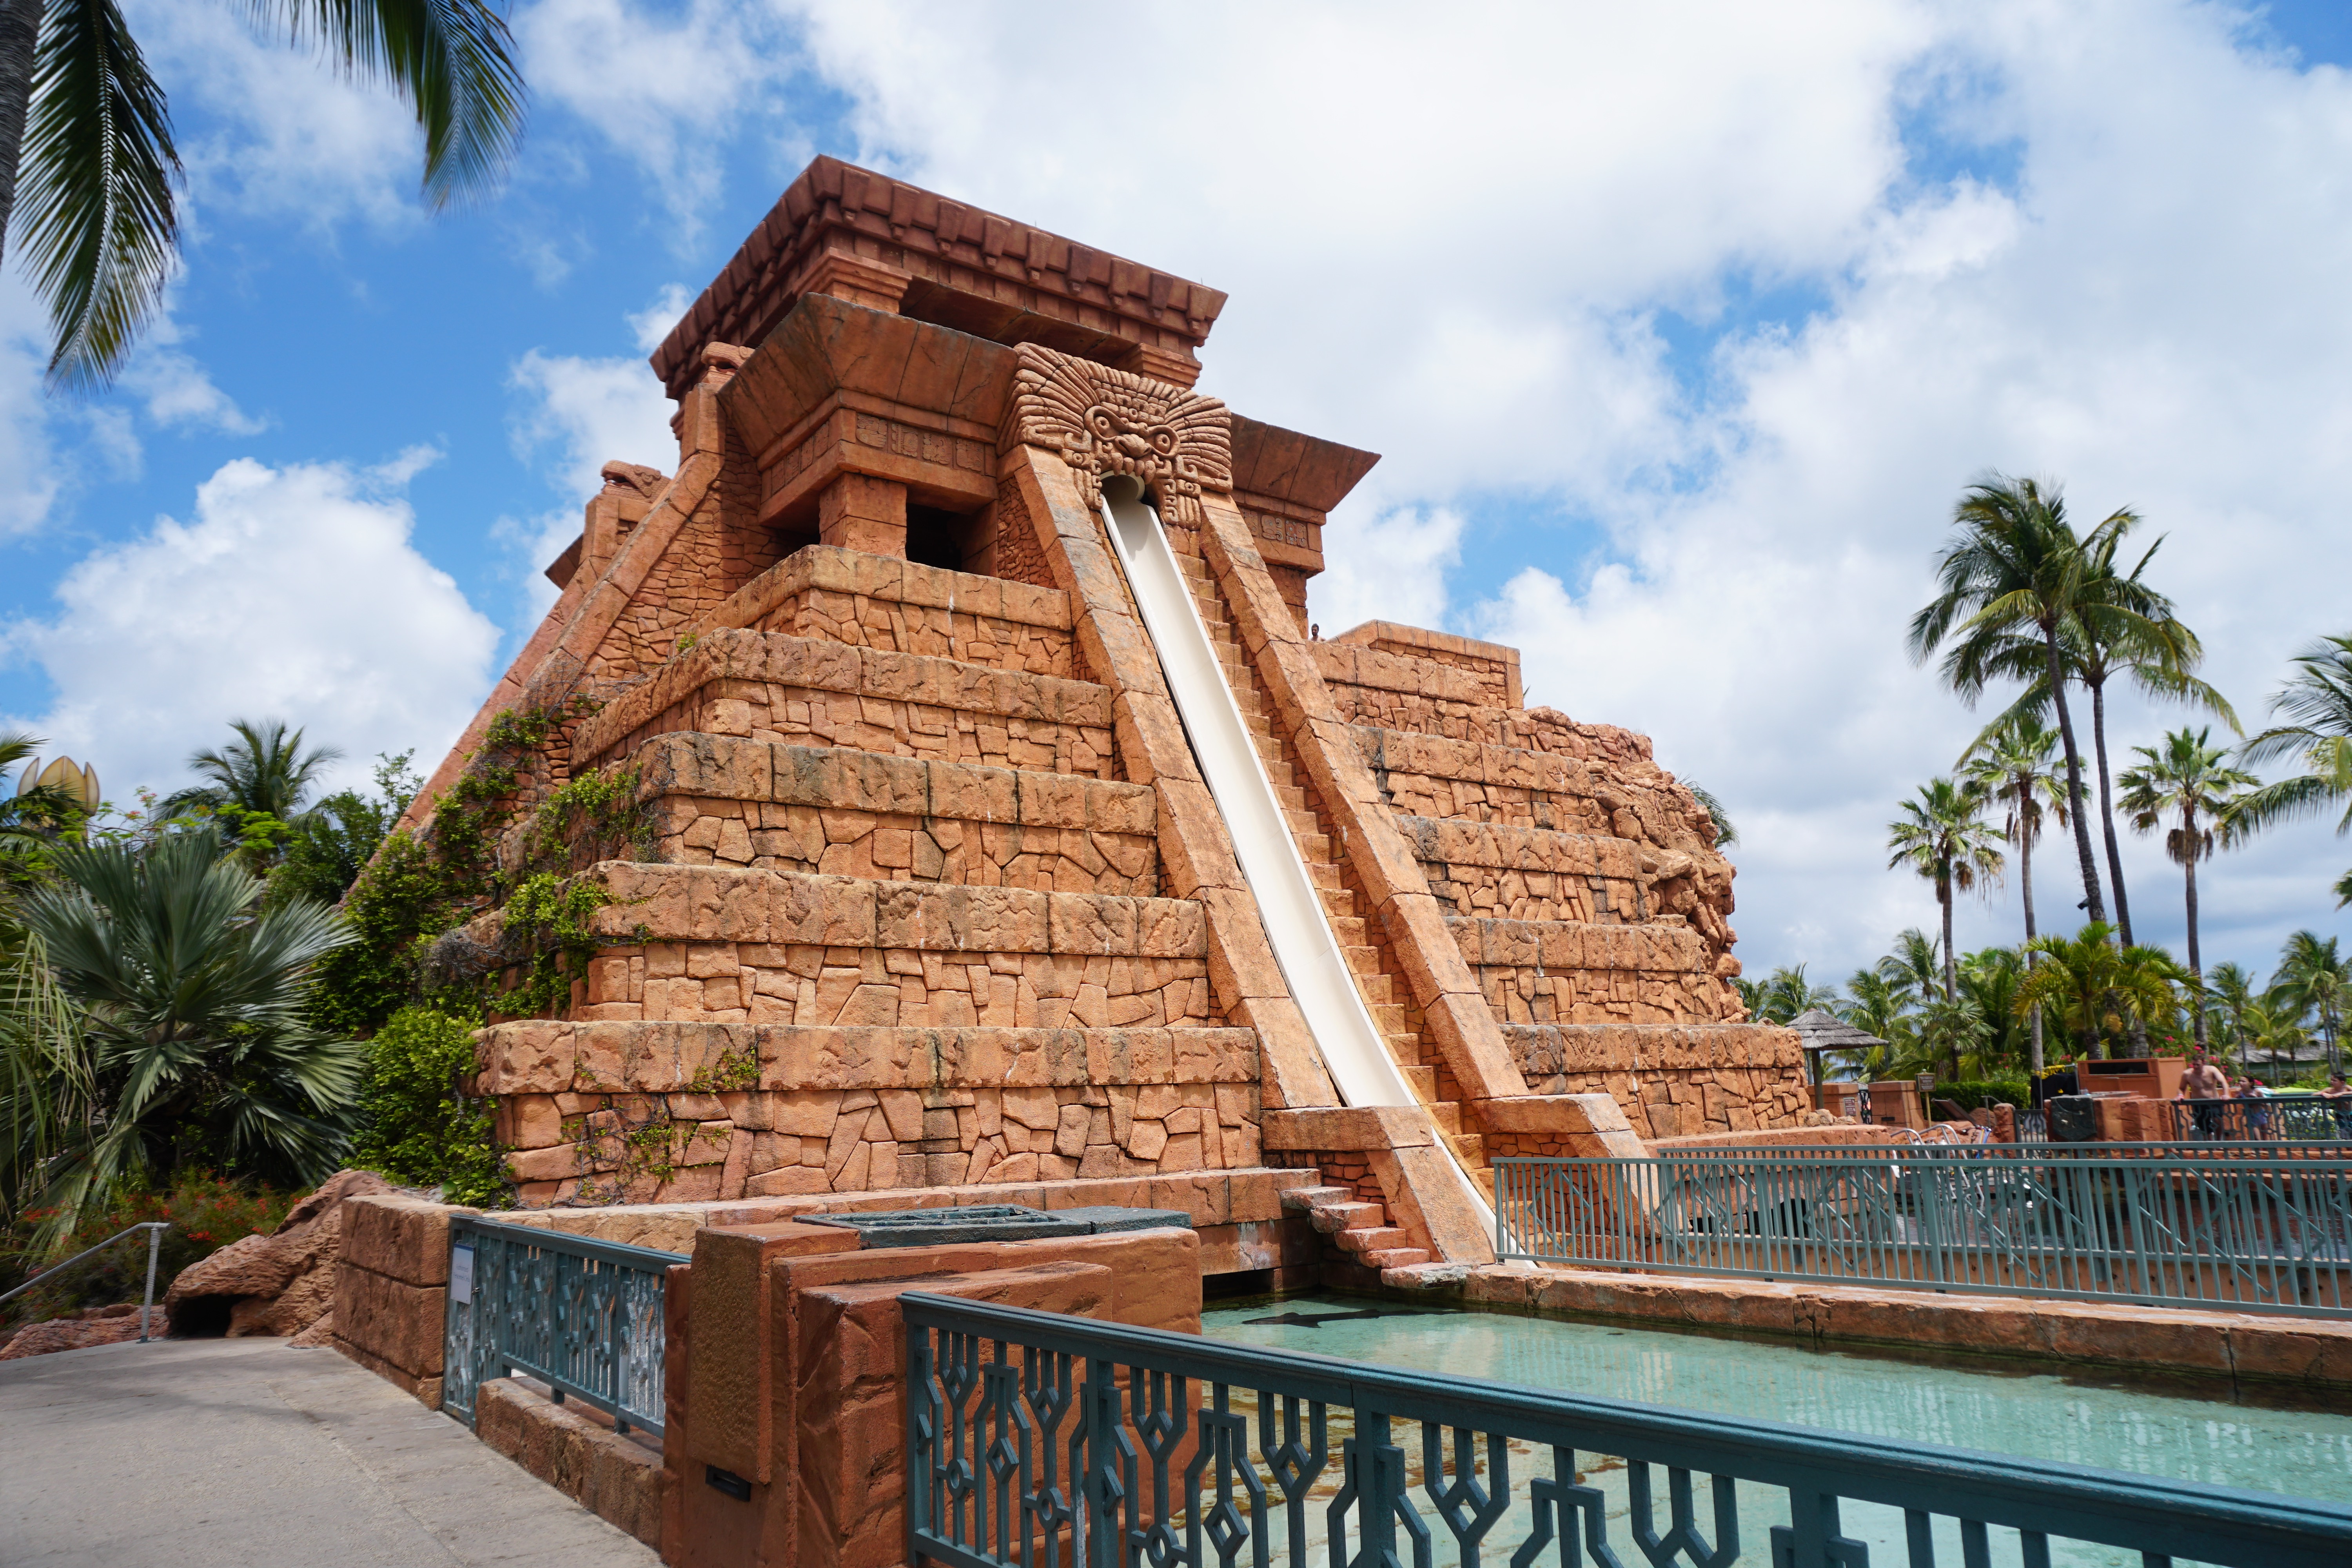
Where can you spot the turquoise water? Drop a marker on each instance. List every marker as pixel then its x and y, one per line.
pixel 2152 1431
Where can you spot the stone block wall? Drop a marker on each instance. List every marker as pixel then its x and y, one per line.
pixel 392 1289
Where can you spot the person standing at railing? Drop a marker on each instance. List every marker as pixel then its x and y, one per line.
pixel 2258 1112
pixel 2338 1094
pixel 2205 1082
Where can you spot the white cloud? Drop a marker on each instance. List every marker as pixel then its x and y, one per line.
pixel 295 593
pixel 1389 567
pixel 653 323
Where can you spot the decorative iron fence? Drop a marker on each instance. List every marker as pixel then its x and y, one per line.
pixel 2282 1118
pixel 583 1316
pixel 1040 1441
pixel 2160 1225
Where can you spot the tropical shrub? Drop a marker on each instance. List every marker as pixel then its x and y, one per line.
pixel 417 1124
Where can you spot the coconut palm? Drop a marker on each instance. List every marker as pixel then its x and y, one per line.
pixel 2316 702
pixel 86 134
pixel 2229 992
pixel 2016 569
pixel 2315 980
pixel 1943 837
pixel 2012 765
pixel 2097 991
pixel 192 1007
pixel 1779 999
pixel 2184 786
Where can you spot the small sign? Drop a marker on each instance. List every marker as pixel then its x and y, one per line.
pixel 461 1274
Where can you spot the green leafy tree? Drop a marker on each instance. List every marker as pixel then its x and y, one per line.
pixel 2315 979
pixel 86 138
pixel 2184 786
pixel 1780 999
pixel 1942 835
pixel 334 841
pixel 2232 996
pixel 2097 992
pixel 1990 978
pixel 2316 702
pixel 192 1007
pixel 2015 569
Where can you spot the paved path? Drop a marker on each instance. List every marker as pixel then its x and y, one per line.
pixel 245 1454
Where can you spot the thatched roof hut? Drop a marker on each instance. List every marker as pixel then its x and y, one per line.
pixel 1823 1031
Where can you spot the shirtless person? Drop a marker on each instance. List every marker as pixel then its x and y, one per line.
pixel 2205 1081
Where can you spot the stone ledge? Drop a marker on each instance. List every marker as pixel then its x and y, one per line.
pixel 2309 1351
pixel 1349 1129
pixel 726 767
pixel 773 658
pixel 654 1057
pixel 1548 1050
pixel 1569 946
pixel 724 903
pixel 574 1449
pixel 829 568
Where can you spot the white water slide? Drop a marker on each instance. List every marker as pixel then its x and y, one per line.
pixel 1309 954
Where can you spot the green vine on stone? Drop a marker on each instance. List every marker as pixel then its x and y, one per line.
pixel 549 919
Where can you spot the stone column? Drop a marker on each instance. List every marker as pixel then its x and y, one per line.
pixel 857 511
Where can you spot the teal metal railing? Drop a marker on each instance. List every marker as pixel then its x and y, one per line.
pixel 583 1316
pixel 1040 1441
pixel 2162 1225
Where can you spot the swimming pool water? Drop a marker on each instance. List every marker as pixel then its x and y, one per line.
pixel 2033 1415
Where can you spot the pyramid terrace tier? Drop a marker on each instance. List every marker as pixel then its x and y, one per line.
pixel 720 1111
pixel 1673 1079
pixel 1557 790
pixel 1563 972
pixel 768 686
pixel 717 943
pixel 1498 871
pixel 892 606
pixel 714 800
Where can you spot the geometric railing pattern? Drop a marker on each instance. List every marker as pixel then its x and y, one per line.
pixel 1035 1440
pixel 584 1317
pixel 2163 1227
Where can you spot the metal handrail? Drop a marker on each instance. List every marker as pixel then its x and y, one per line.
pixel 994 1461
pixel 583 1316
pixel 2196 1229
pixel 154 1230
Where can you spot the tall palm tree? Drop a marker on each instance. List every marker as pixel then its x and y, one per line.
pixel 2012 765
pixel 2184 786
pixel 2313 978
pixel 86 133
pixel 1943 837
pixel 2316 702
pixel 1780 999
pixel 264 771
pixel 2097 991
pixel 194 1008
pixel 2015 568
pixel 2232 990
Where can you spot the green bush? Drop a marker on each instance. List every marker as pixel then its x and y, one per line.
pixel 207 1213
pixel 1974 1094
pixel 418 1126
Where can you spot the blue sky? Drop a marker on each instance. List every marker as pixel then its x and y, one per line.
pixel 1679 329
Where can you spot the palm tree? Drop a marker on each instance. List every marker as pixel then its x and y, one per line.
pixel 2096 990
pixel 2016 569
pixel 2313 977
pixel 86 133
pixel 2316 700
pixel 2188 777
pixel 1988 981
pixel 257 789
pixel 2012 765
pixel 1725 835
pixel 192 1007
pixel 1786 993
pixel 2232 990
pixel 1943 837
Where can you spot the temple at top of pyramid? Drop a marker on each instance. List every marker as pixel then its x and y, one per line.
pixel 876 853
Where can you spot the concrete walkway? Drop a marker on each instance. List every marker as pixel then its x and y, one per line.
pixel 246 1454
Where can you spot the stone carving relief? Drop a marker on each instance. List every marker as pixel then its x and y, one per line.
pixel 1104 421
pixel 633 479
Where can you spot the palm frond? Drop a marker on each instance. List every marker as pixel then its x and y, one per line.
pixel 99 227
pixel 451 61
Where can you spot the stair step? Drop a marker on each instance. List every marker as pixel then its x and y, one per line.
pixel 1470 1147
pixel 1394 1258
pixel 1388 1017
pixel 1305 1198
pixel 1423 1081
pixel 1336 901
pixel 1351 930
pixel 1382 1239
pixel 1446 1113
pixel 1333 1218
pixel 1326 876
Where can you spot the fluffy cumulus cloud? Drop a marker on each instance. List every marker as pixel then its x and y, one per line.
pixel 292 593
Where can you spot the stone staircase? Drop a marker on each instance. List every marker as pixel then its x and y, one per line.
pixel 1360 1230
pixel 1379 990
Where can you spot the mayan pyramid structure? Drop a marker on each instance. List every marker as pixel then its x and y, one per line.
pixel 891 867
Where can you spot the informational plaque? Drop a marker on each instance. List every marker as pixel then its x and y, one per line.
pixel 461 1274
